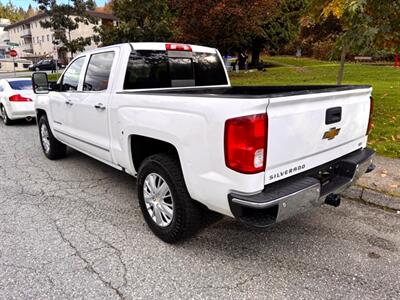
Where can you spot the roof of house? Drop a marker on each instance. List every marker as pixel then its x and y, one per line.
pixel 41 15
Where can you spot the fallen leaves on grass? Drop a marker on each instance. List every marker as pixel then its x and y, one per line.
pixel 384 95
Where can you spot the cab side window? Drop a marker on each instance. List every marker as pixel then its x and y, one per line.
pixel 98 71
pixel 70 79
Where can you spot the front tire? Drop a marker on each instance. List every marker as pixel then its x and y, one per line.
pixel 52 148
pixel 6 120
pixel 164 200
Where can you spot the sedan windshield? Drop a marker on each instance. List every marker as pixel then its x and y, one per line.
pixel 20 84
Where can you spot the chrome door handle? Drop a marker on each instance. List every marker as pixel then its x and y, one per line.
pixel 69 102
pixel 100 106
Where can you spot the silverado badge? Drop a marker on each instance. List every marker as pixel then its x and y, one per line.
pixel 331 133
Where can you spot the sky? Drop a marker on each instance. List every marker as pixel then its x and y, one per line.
pixel 25 3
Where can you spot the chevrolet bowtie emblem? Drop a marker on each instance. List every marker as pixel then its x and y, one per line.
pixel 331 133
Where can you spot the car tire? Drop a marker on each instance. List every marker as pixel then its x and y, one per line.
pixel 6 120
pixel 37 69
pixel 184 215
pixel 52 148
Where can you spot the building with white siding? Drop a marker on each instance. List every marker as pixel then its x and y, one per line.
pixel 36 41
pixel 4 37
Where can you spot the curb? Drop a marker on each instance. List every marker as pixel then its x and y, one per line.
pixel 373 197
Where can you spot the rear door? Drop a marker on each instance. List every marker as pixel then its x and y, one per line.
pixel 88 117
pixel 308 130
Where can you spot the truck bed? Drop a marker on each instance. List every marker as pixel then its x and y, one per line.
pixel 299 121
pixel 254 91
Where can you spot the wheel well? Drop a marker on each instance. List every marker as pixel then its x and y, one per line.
pixel 39 113
pixel 143 147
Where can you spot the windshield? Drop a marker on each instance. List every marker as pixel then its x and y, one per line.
pixel 160 69
pixel 21 84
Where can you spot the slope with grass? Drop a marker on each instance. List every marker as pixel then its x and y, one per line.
pixel 385 137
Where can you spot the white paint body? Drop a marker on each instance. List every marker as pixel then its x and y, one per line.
pixel 195 126
pixel 16 110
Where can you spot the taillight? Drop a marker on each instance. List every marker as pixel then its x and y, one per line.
pixel 371 111
pixel 19 98
pixel 178 47
pixel 246 143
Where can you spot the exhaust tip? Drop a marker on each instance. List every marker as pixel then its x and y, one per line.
pixel 370 168
pixel 333 199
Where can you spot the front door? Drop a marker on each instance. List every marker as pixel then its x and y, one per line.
pixel 61 104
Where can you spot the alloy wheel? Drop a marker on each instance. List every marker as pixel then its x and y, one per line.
pixel 44 133
pixel 158 199
pixel 3 114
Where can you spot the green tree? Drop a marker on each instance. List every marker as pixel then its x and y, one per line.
pixel 138 21
pixel 229 25
pixel 365 24
pixel 278 29
pixel 65 18
pixel 30 11
pixel 11 12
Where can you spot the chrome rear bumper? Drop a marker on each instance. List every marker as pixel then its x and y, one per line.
pixel 298 194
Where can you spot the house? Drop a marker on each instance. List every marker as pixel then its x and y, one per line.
pixel 36 42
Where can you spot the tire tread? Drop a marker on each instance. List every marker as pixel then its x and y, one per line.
pixel 188 212
pixel 57 149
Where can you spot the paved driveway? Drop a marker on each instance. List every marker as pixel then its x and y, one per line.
pixel 73 229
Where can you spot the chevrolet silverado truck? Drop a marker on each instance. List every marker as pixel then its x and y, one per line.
pixel 168 115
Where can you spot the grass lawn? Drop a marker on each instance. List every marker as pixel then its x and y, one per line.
pixel 385 137
pixel 53 76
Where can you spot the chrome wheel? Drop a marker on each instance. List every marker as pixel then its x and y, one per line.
pixel 158 199
pixel 44 134
pixel 3 114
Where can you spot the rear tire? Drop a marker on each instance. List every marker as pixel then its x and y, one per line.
pixel 52 148
pixel 6 120
pixel 178 215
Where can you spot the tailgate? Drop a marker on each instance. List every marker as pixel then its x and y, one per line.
pixel 299 137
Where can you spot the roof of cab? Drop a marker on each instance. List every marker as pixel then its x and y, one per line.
pixel 153 46
pixel 162 46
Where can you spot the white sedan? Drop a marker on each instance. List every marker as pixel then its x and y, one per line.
pixel 16 99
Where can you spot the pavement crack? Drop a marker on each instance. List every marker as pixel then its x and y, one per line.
pixel 118 252
pixel 89 266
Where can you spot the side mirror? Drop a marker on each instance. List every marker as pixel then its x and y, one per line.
pixel 40 83
pixel 54 86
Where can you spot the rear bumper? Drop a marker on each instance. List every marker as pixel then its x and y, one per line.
pixel 21 110
pixel 300 193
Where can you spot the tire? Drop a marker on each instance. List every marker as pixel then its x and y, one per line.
pixel 52 148
pixel 186 213
pixel 6 120
pixel 37 69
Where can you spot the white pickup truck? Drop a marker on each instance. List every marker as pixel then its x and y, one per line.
pixel 167 114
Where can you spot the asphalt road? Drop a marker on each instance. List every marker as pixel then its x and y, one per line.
pixel 73 229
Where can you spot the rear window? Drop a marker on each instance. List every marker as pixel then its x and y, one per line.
pixel 98 71
pixel 21 84
pixel 156 69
